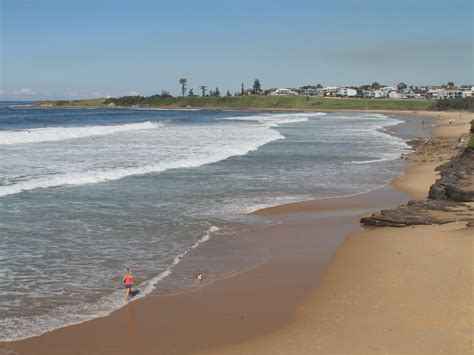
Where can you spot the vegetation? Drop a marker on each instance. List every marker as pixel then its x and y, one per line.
pixel 470 145
pixel 249 102
pixel 73 103
pixel 183 82
pixel 401 86
pixel 465 103
pixel 299 102
pixel 257 87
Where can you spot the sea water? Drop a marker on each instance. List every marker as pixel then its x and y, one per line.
pixel 86 193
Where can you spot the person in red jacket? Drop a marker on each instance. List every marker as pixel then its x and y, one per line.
pixel 128 282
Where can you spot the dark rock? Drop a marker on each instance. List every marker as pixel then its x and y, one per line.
pixel 420 213
pixel 456 181
pixel 445 201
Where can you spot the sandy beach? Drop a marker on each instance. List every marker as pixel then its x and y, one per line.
pixel 390 290
pixel 382 290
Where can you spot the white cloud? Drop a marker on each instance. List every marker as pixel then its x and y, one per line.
pixel 24 91
pixel 2 92
pixel 133 93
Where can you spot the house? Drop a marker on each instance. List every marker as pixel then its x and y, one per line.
pixel 283 92
pixel 384 91
pixel 467 91
pixel 310 92
pixel 346 92
pixel 408 94
pixel 449 94
pixel 329 91
pixel 368 94
pixel 394 94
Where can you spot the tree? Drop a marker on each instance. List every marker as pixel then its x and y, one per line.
pixel 375 85
pixel 211 93
pixel 217 93
pixel 450 85
pixel 256 86
pixel 242 90
pixel 191 92
pixel 228 93
pixel 183 82
pixel 165 93
pixel 319 86
pixel 203 89
pixel 401 86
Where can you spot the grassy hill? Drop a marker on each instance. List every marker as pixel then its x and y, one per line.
pixel 248 102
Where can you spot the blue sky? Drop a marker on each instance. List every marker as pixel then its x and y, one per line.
pixel 85 48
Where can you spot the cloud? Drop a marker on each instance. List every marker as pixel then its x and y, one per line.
pixel 2 92
pixel 24 92
pixel 133 93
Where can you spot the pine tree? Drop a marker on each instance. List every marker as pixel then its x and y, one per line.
pixel 256 86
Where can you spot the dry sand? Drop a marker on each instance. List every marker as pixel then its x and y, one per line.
pixel 385 291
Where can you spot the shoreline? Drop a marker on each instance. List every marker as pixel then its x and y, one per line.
pixel 297 220
pixel 411 294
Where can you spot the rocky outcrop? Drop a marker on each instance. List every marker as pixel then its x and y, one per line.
pixel 457 180
pixel 421 212
pixel 450 198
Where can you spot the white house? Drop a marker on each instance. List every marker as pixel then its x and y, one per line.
pixel 467 92
pixel 383 92
pixel 347 92
pixel 283 92
pixel 329 91
pixel 449 94
pixel 393 94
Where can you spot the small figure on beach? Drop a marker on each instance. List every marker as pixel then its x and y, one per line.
pixel 128 283
pixel 200 277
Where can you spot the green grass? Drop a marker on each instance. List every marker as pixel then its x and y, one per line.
pixel 73 103
pixel 262 102
pixel 470 145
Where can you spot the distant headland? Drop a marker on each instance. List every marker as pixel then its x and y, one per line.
pixel 309 97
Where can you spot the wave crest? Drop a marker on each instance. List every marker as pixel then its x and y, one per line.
pixel 37 135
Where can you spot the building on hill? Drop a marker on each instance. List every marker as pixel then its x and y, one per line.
pixel 329 91
pixel 283 92
pixel 467 91
pixel 346 92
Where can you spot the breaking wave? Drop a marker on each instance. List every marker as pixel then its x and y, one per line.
pixel 36 135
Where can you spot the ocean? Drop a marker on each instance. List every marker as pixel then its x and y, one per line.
pixel 86 193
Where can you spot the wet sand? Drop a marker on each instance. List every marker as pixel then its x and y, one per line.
pixel 382 292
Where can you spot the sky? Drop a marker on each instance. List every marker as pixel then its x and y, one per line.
pixel 66 49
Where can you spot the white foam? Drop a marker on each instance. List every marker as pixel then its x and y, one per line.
pixel 18 328
pixel 197 156
pixel 36 135
pixel 370 161
pixel 274 120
